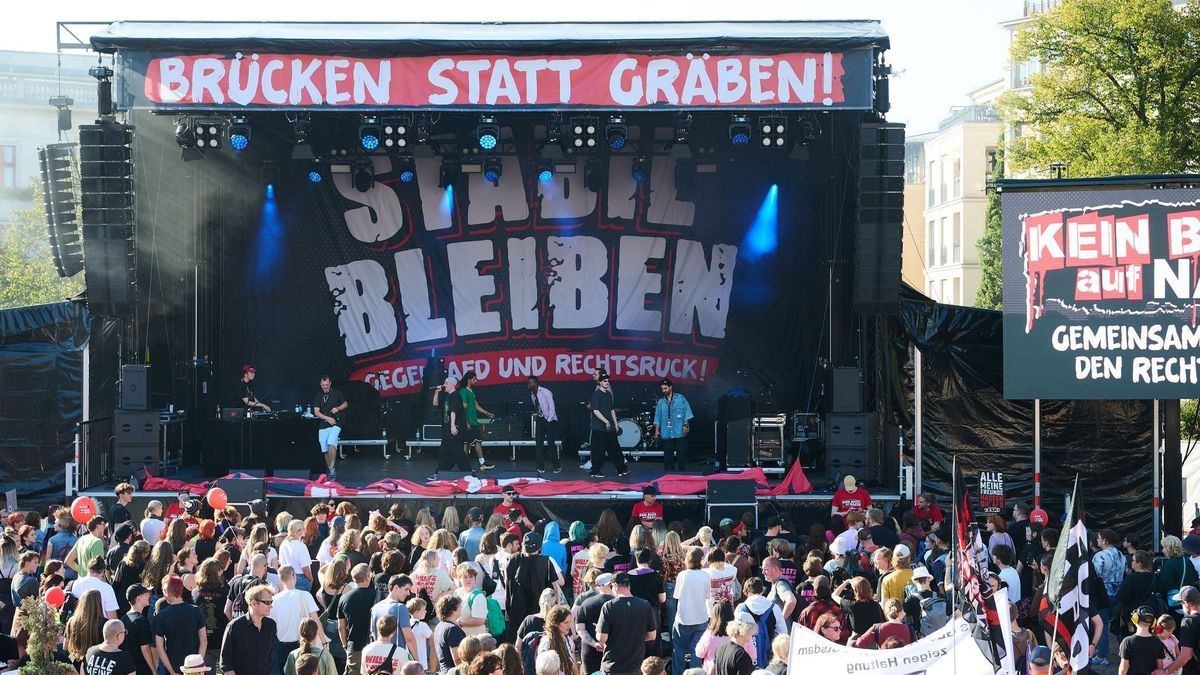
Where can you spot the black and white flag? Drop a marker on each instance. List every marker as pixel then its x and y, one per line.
pixel 1069 589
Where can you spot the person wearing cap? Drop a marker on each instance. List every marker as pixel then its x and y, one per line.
pixel 471 411
pixel 1142 653
pixel 587 613
pixel 249 398
pixel 97 571
pixel 526 576
pixel 893 584
pixel 177 508
pixel 649 509
pixel 604 445
pixel 850 498
pixel 547 424
pixel 122 540
pixel 625 626
pixel 516 519
pixel 924 601
pixel 1188 633
pixel 672 415
pixel 107 658
pixel 1039 661
pixel 139 638
pixel 470 537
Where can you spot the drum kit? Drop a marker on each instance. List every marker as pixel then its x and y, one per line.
pixel 637 432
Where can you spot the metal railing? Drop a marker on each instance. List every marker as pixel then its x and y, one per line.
pixel 94 452
pixel 969 113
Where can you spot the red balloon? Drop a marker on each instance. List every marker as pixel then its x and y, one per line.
pixel 55 597
pixel 1039 516
pixel 217 498
pixel 82 509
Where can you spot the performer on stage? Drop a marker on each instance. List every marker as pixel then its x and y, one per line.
pixel 329 406
pixel 671 416
pixel 547 424
pixel 453 453
pixel 471 409
pixel 249 398
pixel 604 431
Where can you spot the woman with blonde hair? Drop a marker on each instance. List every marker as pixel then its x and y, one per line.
pixel 430 577
pixel 335 579
pixel 451 520
pixel 1176 570
pixel 424 517
pixel 85 628
pixel 781 648
pixel 349 552
pixel 259 534
pixel 671 554
pixel 444 542
pixel 420 541
pixel 733 657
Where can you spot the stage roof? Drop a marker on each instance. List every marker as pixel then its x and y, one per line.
pixel 424 38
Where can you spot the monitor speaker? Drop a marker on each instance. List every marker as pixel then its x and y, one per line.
pixel 136 427
pixel 850 444
pixel 135 387
pixel 303 474
pixel 130 459
pixel 243 490
pixel 730 498
pixel 846 384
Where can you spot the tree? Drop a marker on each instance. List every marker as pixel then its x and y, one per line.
pixel 1118 91
pixel 991 279
pixel 27 272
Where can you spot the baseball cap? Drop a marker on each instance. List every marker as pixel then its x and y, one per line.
pixel 837 546
pixel 192 507
pixel 532 542
pixel 338 521
pixel 510 490
pixel 921 572
pixel 849 481
pixel 1188 594
pixel 257 506
pixel 1039 516
pixel 902 550
pixel 1040 656
pixel 1145 614
pixel 1191 543
pixel 650 490
pixel 604 579
pixel 134 591
pixel 248 369
pixel 666 382
pixel 725 521
pixel 124 531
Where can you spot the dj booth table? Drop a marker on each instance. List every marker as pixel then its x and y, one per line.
pixel 259 444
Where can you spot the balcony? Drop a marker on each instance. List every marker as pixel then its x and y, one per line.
pixel 943 191
pixel 956 189
pixel 932 198
pixel 969 113
pixel 1034 7
pixel 956 253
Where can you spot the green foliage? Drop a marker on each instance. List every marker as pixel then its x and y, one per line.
pixel 991 271
pixel 27 272
pixel 1189 418
pixel 1118 91
pixel 41 622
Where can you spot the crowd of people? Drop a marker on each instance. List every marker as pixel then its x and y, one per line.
pixel 188 589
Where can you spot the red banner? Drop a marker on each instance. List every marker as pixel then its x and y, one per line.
pixel 604 80
pixel 549 365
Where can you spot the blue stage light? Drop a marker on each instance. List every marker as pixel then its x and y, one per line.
pixel 239 142
pixel 492 174
pixel 492 170
pixel 407 176
pixel 488 132
pixel 640 169
pixel 487 141
pixel 616 133
pixel 739 130
pixel 370 142
pixel 763 236
pixel 545 176
pixel 314 176
pixel 239 133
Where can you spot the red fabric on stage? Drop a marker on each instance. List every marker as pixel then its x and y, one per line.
pixel 677 485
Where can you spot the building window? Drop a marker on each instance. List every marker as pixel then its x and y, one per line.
pixel 956 251
pixel 990 160
pixel 8 166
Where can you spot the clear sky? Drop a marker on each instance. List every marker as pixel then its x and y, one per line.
pixel 941 49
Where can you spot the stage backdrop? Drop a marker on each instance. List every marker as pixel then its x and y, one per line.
pixel 717 284
pixel 1100 292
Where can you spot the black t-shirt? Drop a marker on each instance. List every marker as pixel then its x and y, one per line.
pixel 1189 636
pixel 137 635
pixel 211 602
pixel 380 584
pixel 206 548
pixel 589 615
pixel 8 649
pixel 603 402
pixel 100 662
pixel 450 641
pixel 248 392
pixel 327 402
pixel 452 403
pixel 180 626
pixel 883 535
pixel 237 593
pixel 731 659
pixel 114 555
pixel 647 587
pixel 624 622
pixel 1142 653
pixel 117 515
pixel 863 615
pixel 355 608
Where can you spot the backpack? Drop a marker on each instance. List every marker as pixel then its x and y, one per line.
pixel 489 579
pixel 385 666
pixel 766 633
pixel 933 615
pixel 495 615
pixel 529 646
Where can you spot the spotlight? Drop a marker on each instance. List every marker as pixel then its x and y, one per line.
pixel 544 171
pixel 423 127
pixel 448 173
pixel 395 131
pixel 640 169
pixel 239 133
pixel 185 135
pixel 773 130
pixel 369 133
pixel 583 133
pixel 362 173
pixel 739 130
pixel 616 133
pixel 493 168
pixel 302 128
pixel 314 176
pixel 488 132
pixel 208 134
pixel 554 129
pixel 594 175
pixel 406 168
pixel 683 127
pixel 808 130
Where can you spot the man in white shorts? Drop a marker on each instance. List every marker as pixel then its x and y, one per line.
pixel 328 407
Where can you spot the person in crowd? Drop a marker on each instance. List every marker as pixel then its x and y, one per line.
pixel 927 512
pixel 881 534
pixel 310 647
pixel 766 616
pixel 237 603
pixel 85 627
pixel 587 616
pixel 626 624
pixel 526 576
pixel 383 653
pixel 850 498
pixel 249 644
pixel 557 638
pixel 421 646
pixel 997 528
pixel 289 607
pixel 448 635
pixel 720 614
pixel 97 572
pixel 179 628
pixel 1137 587
pixel 693 591
pixel 1142 653
pixel 400 588
pixel 733 657
pixel 107 658
pixel 353 614
pixel 122 540
pixel 88 547
pixel 474 616
pixel 470 537
pixel 139 636
pixel 858 602
pixel 293 552
pixel 899 576
pixel 893 627
pixel 536 623
pixel 1175 571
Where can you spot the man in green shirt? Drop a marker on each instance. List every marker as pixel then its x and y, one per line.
pixel 472 408
pixel 88 546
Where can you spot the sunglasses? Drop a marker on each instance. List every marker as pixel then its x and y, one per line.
pixel 265 602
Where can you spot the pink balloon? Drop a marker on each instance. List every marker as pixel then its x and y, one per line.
pixel 83 509
pixel 55 597
pixel 217 498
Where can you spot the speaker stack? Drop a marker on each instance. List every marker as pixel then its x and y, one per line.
pixel 58 202
pixel 106 190
pixel 879 235
pixel 138 435
pixel 730 499
pixel 849 431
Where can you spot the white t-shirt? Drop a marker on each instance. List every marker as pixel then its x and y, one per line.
pixel 849 539
pixel 422 632
pixel 1009 576
pixel 374 654
pixel 692 592
pixel 475 609
pixel 108 598
pixel 721 583
pixel 293 552
pixel 287 610
pixel 152 529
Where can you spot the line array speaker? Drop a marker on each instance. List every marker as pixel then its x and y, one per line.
pixel 106 192
pixel 58 201
pixel 880 219
pixel 135 388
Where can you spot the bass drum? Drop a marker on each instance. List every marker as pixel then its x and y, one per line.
pixel 629 434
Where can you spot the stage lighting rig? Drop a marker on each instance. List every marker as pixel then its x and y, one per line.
pixel 739 129
pixel 583 132
pixel 302 127
pixel 369 133
pixel 616 133
pixel 208 134
pixel 683 127
pixel 544 170
pixel 773 130
pixel 314 176
pixel 185 134
pixel 448 173
pixel 554 129
pixel 362 173
pixel 640 169
pixel 487 133
pixel 406 168
pixel 493 168
pixel 808 129
pixel 423 127
pixel 595 175
pixel 395 131
pixel 239 133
